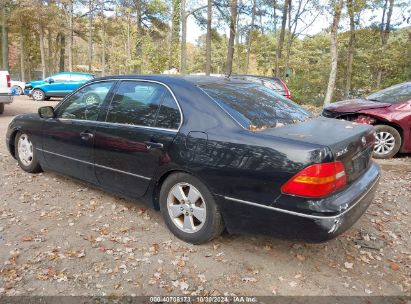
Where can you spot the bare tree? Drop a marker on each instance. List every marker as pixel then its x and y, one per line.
pixel 103 39
pixel 384 34
pixel 281 37
pixel 184 17
pixel 208 37
pixel 4 37
pixel 249 36
pixel 90 35
pixel 350 55
pixel 139 44
pixel 334 52
pixel 230 47
pixel 70 36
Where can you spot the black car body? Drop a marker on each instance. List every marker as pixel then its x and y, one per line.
pixel 244 167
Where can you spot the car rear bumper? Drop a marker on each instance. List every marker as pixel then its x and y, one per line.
pixel 243 216
pixel 6 98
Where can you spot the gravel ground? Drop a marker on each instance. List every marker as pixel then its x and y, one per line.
pixel 61 237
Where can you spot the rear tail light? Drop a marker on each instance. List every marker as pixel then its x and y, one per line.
pixel 317 180
pixel 286 90
pixel 8 81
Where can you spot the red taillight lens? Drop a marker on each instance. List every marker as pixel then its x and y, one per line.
pixel 286 90
pixel 317 180
pixel 8 81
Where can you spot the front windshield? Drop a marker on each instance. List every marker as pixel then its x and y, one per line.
pixel 255 106
pixel 395 94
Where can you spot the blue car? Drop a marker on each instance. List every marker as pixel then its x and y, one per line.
pixel 58 85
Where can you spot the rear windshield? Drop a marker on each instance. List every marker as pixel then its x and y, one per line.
pixel 394 94
pixel 254 106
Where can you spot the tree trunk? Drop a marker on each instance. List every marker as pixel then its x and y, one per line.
pixel 275 15
pixel 22 54
pixel 42 51
pixel 4 40
pixel 90 36
pixel 334 52
pixel 350 56
pixel 139 48
pixel 70 40
pixel 230 48
pixel 50 67
pixel 128 43
pixel 208 37
pixel 237 44
pixel 103 41
pixel 281 37
pixel 289 40
pixel 175 33
pixel 183 18
pixel 249 36
pixel 385 33
pixel 62 51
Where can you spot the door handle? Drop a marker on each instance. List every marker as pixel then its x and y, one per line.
pixel 153 145
pixel 86 135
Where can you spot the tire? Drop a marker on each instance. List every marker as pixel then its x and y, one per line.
pixel 202 216
pixel 38 95
pixel 388 142
pixel 1 108
pixel 19 89
pixel 26 154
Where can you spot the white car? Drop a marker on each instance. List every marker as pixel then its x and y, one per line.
pixel 5 90
pixel 18 86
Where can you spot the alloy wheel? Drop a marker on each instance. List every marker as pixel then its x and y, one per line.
pixel 38 95
pixel 25 150
pixel 186 207
pixel 384 143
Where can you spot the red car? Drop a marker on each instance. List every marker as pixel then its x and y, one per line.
pixel 388 110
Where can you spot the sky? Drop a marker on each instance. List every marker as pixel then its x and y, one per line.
pixel 322 22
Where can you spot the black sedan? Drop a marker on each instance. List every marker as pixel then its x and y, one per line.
pixel 210 153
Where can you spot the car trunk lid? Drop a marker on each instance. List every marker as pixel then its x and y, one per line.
pixel 350 143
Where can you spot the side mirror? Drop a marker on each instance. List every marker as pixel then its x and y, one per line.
pixel 47 112
pixel 51 80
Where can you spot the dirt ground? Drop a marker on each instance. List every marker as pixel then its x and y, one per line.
pixel 61 237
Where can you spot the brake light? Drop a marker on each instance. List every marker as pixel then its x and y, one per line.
pixel 8 80
pixel 286 90
pixel 317 180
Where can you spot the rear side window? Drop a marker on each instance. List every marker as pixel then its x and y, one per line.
pixel 255 106
pixel 169 115
pixel 136 103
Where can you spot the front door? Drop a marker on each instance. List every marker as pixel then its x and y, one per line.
pixel 141 122
pixel 68 139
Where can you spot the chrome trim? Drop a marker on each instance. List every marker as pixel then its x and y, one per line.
pixel 303 214
pixel 117 124
pixel 97 165
pixel 126 79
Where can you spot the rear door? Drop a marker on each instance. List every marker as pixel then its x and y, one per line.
pixel 68 139
pixel 141 122
pixel 59 86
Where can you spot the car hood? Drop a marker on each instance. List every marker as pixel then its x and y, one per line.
pixel 36 83
pixel 355 105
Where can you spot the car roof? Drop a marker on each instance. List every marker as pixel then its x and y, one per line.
pixel 74 73
pixel 179 79
pixel 257 76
